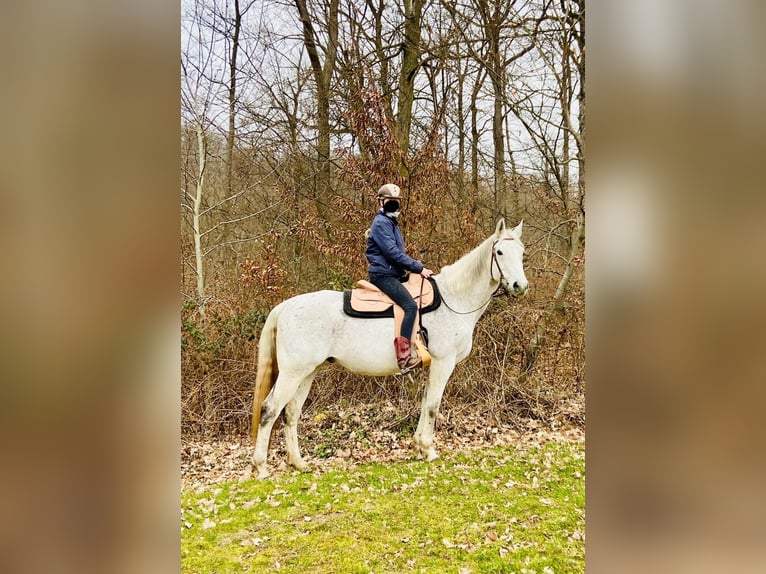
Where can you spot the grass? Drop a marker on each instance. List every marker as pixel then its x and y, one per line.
pixel 495 510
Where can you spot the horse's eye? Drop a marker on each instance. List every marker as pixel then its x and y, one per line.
pixel 499 252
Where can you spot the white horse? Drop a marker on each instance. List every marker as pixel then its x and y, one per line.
pixel 303 332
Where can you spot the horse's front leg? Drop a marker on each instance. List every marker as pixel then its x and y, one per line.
pixel 424 435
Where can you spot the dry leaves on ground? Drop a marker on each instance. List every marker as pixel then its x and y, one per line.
pixel 348 437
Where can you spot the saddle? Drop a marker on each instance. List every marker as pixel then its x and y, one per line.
pixel 368 302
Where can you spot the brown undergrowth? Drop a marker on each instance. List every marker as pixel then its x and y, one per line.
pixel 219 368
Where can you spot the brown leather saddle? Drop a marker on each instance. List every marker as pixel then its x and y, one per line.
pixel 367 301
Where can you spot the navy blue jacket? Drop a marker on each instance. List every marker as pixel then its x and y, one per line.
pixel 385 249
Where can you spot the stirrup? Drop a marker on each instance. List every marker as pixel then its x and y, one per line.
pixel 412 364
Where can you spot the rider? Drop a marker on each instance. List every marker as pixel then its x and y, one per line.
pixel 389 263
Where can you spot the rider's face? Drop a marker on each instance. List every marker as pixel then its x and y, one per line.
pixel 390 205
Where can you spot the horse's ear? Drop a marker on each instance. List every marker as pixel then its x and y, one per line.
pixel 500 227
pixel 517 230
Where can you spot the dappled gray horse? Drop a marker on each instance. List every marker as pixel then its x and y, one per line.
pixel 303 332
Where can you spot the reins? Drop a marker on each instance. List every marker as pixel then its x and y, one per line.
pixel 499 285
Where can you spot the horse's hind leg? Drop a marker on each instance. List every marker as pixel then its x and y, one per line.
pixel 284 391
pixel 292 412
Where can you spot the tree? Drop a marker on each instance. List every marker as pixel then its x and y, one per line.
pixel 323 72
pixel 568 67
pixel 497 34
pixel 232 88
pixel 212 211
pixel 411 54
pixel 198 95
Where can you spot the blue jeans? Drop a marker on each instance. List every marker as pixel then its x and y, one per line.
pixel 392 287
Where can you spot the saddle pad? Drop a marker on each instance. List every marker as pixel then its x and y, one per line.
pixel 364 303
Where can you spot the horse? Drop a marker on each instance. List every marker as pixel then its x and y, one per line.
pixel 305 331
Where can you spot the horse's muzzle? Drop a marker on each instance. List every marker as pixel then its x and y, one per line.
pixel 518 289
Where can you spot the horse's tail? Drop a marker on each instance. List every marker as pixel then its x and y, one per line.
pixel 267 367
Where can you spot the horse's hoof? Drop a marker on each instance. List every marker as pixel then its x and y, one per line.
pixel 301 465
pixel 431 455
pixel 263 472
pixel 421 451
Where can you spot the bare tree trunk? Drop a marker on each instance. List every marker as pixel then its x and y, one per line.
pixel 460 132
pixel 565 99
pixel 197 203
pixel 498 143
pixel 496 71
pixel 380 54
pixel 579 34
pixel 514 187
pixel 323 74
pixel 232 96
pixel 413 12
pixel 475 142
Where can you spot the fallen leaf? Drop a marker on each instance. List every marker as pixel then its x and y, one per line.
pixel 577 535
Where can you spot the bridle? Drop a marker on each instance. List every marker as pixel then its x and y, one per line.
pixel 494 262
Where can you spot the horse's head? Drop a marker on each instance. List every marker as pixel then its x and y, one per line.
pixel 508 257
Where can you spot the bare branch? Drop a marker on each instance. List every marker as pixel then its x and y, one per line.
pixel 238 219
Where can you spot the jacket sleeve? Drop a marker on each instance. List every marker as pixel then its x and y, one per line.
pixel 383 235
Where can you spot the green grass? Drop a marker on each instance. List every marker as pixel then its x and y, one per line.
pixel 497 510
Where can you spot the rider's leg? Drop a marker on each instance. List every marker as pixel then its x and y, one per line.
pixel 392 287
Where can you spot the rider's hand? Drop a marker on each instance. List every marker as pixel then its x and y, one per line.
pixel 426 273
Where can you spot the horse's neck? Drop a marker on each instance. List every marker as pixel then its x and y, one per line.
pixel 469 279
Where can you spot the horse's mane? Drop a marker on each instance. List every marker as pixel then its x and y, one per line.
pixel 461 275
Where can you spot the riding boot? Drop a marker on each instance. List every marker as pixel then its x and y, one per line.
pixel 405 356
